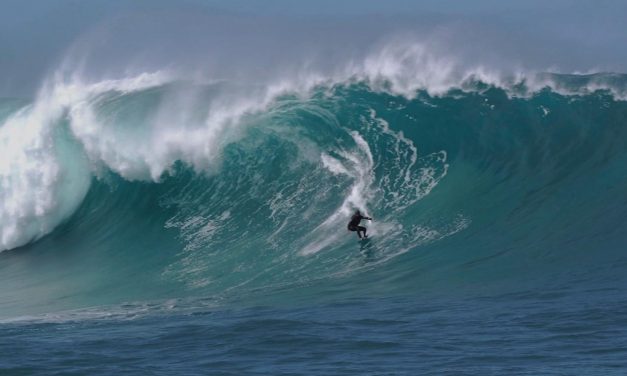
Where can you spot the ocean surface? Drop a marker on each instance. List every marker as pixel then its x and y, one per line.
pixel 155 226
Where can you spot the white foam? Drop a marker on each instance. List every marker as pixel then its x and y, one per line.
pixel 404 184
pixel 43 177
pixel 358 165
pixel 406 178
pixel 405 66
pixel 44 174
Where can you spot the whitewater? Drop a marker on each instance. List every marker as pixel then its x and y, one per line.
pixel 158 221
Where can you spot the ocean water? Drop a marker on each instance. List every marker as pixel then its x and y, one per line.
pixel 154 225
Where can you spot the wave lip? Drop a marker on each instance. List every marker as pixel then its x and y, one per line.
pixel 42 174
pixel 45 172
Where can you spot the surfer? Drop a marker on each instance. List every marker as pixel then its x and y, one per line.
pixel 353 225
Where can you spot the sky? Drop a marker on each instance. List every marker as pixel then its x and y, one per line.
pixel 106 36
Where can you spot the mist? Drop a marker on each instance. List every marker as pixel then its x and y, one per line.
pixel 266 42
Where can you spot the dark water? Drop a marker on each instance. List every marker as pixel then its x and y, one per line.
pixel 519 333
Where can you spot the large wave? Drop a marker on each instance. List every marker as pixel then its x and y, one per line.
pixel 228 187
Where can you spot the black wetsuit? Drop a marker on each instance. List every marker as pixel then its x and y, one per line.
pixel 353 225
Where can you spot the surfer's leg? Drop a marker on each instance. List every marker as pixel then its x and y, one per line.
pixel 362 228
pixel 355 228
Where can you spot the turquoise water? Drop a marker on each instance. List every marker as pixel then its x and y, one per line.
pixel 156 229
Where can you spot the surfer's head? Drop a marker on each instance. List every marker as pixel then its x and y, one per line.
pixel 357 212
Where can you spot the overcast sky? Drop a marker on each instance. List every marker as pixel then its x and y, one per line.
pixel 561 35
